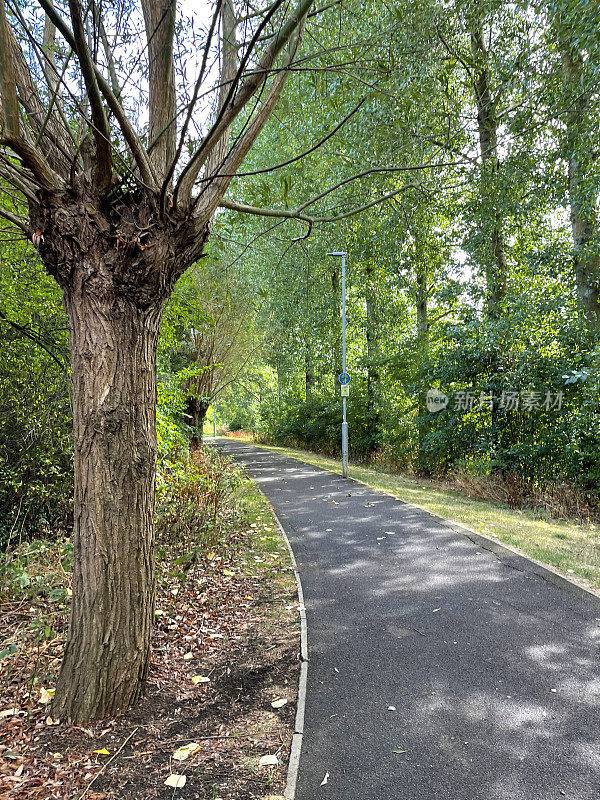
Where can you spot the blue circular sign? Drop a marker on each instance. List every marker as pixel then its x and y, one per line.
pixel 344 379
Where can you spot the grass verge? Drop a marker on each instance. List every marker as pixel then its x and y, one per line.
pixel 570 547
pixel 225 647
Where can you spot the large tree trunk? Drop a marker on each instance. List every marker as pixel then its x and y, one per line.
pixel 422 293
pixel 114 343
pixel 582 194
pixel 196 411
pixel 493 246
pixel 371 335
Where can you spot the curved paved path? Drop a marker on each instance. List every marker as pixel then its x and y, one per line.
pixel 492 672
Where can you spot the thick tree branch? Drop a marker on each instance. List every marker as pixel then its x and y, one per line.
pixel 299 215
pixel 15 219
pixel 101 130
pixel 247 90
pixel 159 21
pixel 15 178
pixel 133 141
pixel 9 109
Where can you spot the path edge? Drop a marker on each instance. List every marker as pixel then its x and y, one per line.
pixel 499 548
pixel 296 748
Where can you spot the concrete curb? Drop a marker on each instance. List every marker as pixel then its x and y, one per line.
pixel 295 750
pixel 482 540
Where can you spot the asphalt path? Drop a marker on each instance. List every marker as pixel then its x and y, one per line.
pixel 437 669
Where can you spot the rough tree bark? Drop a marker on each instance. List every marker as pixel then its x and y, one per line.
pixel 493 248
pixel 116 236
pixel 114 299
pixel 372 339
pixel 582 194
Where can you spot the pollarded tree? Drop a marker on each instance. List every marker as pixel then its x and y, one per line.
pixel 118 213
pixel 212 334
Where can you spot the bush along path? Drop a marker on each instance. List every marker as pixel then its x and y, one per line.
pixel 437 668
pixel 217 719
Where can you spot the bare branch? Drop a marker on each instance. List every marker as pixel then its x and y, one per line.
pixel 299 215
pixel 310 150
pixel 15 219
pixel 281 213
pixel 15 178
pixel 250 86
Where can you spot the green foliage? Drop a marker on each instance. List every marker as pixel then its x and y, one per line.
pixel 35 407
pixel 191 492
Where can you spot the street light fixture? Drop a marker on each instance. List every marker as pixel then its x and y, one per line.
pixel 346 378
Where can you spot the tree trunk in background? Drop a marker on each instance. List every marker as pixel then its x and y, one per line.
pixel 487 125
pixel 308 371
pixel 582 198
pixel 336 324
pixel 371 335
pixel 309 374
pixel 493 244
pixel 422 291
pixel 114 343
pixel 196 410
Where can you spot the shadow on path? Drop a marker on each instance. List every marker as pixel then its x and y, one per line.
pixel 491 671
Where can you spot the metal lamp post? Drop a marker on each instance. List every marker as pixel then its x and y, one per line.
pixel 344 375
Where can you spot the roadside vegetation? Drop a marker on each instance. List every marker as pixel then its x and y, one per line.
pixel 224 650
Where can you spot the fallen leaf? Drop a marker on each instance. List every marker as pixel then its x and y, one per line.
pixel 46 695
pixel 325 779
pixel 200 679
pixel 279 703
pixel 9 712
pixel 186 751
pixel 268 761
pixel 176 781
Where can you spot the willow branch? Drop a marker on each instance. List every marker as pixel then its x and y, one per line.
pixel 297 214
pixel 15 178
pixel 20 222
pixel 133 141
pixel 232 109
pixel 101 130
